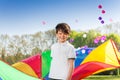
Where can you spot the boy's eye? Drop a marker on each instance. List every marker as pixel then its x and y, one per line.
pixel 60 33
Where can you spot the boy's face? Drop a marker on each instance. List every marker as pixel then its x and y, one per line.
pixel 62 37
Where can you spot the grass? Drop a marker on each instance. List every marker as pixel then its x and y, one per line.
pixel 103 77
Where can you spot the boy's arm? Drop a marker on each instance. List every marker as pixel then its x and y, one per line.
pixel 71 68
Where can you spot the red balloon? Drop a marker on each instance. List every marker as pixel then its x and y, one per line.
pixel 99 6
pixel 111 20
pixel 43 22
pixel 103 11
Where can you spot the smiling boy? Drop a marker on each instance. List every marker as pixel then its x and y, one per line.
pixel 63 55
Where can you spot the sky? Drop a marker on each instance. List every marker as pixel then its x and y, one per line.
pixel 19 17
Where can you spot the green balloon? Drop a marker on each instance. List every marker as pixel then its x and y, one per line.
pixel 7 72
pixel 46 61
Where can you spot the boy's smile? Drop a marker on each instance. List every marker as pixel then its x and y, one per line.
pixel 62 37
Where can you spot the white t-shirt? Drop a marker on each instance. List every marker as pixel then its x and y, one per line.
pixel 60 53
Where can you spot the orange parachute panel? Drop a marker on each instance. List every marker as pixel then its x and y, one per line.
pixel 25 68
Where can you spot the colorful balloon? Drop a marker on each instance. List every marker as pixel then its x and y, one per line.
pixel 99 6
pixel 103 11
pixel 99 18
pixel 102 22
pixel 111 20
pixel 43 22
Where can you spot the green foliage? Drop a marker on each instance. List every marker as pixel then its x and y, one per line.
pixel 36 50
pixel 73 34
pixel 115 38
pixel 80 40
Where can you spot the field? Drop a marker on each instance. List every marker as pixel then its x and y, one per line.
pixel 103 77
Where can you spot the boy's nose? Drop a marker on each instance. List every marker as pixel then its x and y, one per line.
pixel 62 35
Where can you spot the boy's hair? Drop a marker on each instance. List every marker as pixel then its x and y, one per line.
pixel 65 28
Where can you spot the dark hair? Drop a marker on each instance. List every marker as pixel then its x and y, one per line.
pixel 64 27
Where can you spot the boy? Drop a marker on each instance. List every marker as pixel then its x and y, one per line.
pixel 63 55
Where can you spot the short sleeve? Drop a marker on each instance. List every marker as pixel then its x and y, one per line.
pixel 71 53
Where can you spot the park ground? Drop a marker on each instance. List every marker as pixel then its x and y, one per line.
pixel 103 77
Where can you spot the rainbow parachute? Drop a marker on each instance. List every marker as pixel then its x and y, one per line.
pixel 104 57
pixel 31 68
pixel 36 66
pixel 9 73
